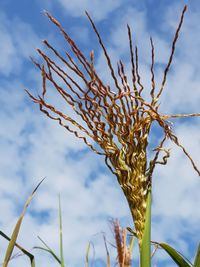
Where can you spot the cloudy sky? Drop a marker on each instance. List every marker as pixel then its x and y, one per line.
pixel 33 147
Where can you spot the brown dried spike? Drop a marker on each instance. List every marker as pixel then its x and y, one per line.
pixel 68 98
pixel 71 131
pixel 105 52
pixel 59 72
pixel 137 71
pixel 153 162
pixel 123 251
pixel 64 116
pixel 165 157
pixel 92 57
pixel 172 53
pixel 126 89
pixel 75 49
pixel 152 71
pixel 180 116
pixel 109 166
pixel 118 241
pixel 61 123
pixel 122 94
pixel 169 134
pixel 52 18
pixel 63 60
pixel 63 93
pixel 43 81
pixel 36 63
pixel 132 60
pixel 84 114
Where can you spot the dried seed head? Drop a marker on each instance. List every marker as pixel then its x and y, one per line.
pixel 123 250
pixel 118 121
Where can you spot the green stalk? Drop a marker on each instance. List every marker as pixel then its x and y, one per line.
pixel 61 235
pixel 145 250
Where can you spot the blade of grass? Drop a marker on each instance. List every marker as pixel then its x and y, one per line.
pixel 61 236
pixel 49 250
pixel 15 233
pixel 145 251
pixel 197 258
pixel 180 260
pixel 107 252
pixel 27 253
pixel 87 255
pixel 131 244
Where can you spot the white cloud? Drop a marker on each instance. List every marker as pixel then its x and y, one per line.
pixel 77 8
pixel 7 50
pixel 18 44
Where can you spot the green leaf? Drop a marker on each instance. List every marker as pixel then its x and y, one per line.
pixel 49 250
pixel 180 260
pixel 197 258
pixel 145 251
pixel 15 233
pixel 27 253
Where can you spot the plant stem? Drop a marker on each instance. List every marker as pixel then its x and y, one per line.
pixel 145 250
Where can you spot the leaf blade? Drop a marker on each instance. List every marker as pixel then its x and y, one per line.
pixel 27 253
pixel 175 255
pixel 49 250
pixel 16 230
pixel 197 258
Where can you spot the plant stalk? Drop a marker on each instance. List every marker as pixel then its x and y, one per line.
pixel 145 250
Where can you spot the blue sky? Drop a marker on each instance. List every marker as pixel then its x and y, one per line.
pixel 33 147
